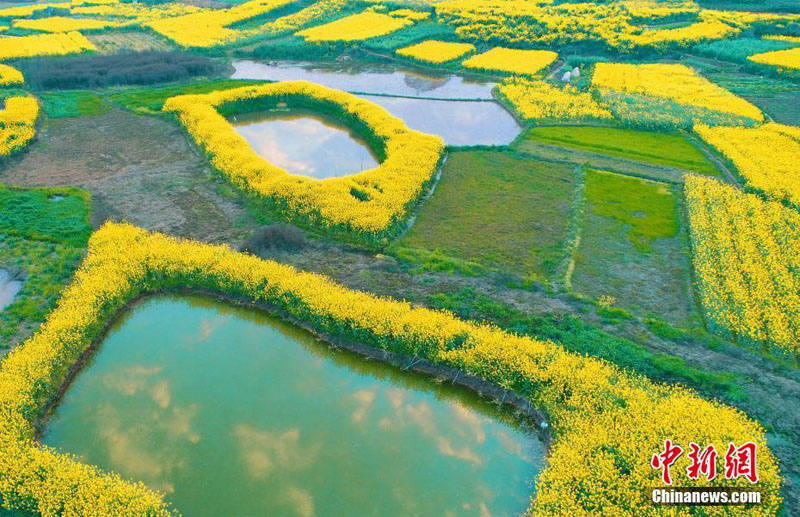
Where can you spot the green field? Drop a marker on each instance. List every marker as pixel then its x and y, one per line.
pixel 655 148
pixel 632 247
pixel 72 103
pixel 499 210
pixel 50 214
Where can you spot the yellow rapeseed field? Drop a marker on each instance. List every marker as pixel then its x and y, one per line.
pixel 607 423
pixel 63 24
pixel 538 100
pixel 515 61
pixel 766 157
pixel 747 261
pixel 366 205
pixel 677 83
pixel 10 76
pixel 44 45
pixel 209 28
pixel 356 27
pixel 17 123
pixel 433 51
pixel 789 58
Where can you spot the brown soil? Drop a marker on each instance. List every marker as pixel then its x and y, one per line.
pixel 139 169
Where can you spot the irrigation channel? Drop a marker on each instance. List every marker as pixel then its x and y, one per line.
pixel 462 111
pixel 230 411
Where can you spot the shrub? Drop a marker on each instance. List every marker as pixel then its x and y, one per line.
pixel 277 236
pixel 147 67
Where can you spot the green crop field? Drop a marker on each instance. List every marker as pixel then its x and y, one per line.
pixel 499 210
pixel 655 148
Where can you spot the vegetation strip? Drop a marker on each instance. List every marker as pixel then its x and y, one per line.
pixel 606 422
pixel 365 207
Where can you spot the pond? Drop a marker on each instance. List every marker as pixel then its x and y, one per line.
pixel 431 104
pixel 457 122
pixel 363 77
pixel 230 411
pixel 305 143
pixel 8 289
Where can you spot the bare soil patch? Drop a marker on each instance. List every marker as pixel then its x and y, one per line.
pixel 139 169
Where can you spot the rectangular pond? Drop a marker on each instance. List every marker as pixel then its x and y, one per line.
pixel 230 411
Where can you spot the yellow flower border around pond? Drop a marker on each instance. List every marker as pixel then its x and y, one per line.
pixel 367 205
pixel 607 423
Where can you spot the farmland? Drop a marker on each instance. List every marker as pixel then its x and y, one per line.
pixel 254 255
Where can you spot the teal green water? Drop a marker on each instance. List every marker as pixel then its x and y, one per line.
pixel 230 411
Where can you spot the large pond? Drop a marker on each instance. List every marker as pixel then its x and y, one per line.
pixel 305 143
pixel 362 77
pixel 429 104
pixel 232 412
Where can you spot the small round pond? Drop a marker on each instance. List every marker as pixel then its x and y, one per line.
pixel 305 143
pixel 230 411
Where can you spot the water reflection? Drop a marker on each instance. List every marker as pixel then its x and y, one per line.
pixel 457 122
pixel 367 78
pixel 231 412
pixel 305 143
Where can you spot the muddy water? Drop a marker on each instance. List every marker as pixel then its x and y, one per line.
pixel 8 289
pixel 232 412
pixel 305 143
pixel 367 78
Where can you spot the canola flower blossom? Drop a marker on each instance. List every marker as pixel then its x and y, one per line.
pixel 210 28
pixel 621 25
pixel 433 51
pixel 17 123
pixel 538 100
pixel 513 61
pixel 356 27
pixel 607 422
pixel 10 76
pixel 789 58
pixel 677 83
pixel 765 156
pixel 746 254
pixel 63 24
pixel 44 45
pixel 367 205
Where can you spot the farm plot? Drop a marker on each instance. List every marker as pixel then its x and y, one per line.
pixel 138 169
pixel 670 150
pixel 633 246
pixel 498 210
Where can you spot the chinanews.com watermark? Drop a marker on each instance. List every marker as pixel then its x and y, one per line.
pixel 738 462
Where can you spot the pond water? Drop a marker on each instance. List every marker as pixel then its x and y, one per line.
pixel 8 289
pixel 230 411
pixel 362 77
pixel 457 122
pixel 305 143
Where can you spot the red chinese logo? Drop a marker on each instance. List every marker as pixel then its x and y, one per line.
pixel 665 460
pixel 740 461
pixel 703 462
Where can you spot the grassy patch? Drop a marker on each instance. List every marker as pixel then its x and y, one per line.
pixel 645 208
pixel 581 337
pixel 644 146
pixel 151 99
pixel 51 214
pixel 72 103
pixel 423 30
pixel 633 247
pixel 499 210
pixel 45 268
